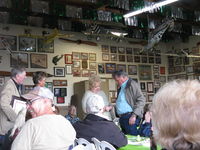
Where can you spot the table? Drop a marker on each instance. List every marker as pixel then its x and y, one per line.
pixel 137 147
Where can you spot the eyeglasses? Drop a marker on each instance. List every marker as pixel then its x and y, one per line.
pixel 31 101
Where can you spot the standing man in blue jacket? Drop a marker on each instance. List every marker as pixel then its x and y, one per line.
pixel 129 104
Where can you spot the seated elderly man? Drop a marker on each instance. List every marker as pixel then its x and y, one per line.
pixel 46 131
pixel 95 124
pixel 175 115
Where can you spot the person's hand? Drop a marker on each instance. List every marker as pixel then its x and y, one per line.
pixel 148 117
pixel 132 119
pixel 108 108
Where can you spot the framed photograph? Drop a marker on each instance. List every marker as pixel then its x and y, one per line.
pixel 84 64
pixel 163 79
pixel 113 57
pixel 151 60
pixel 59 82
pixel 132 69
pixel 113 49
pixel 38 60
pixel 85 73
pixel 156 83
pixel 122 58
pixel 144 59
pixel 76 64
pixel 145 72
pixel 19 59
pixel 121 67
pixel 101 68
pixel 121 50
pixel 143 86
pixel 105 56
pixel 189 69
pixel 68 58
pixel 93 65
pixel 92 56
pixel 60 92
pixel 129 50
pixel 76 72
pixel 137 59
pixel 91 72
pixel 129 58
pixel 18 104
pixel 84 56
pixel 45 46
pixel 10 41
pixel 150 87
pixel 150 98
pixel 59 71
pixel 75 56
pixel 60 100
pixel 137 51
pixel 49 85
pixel 110 67
pixel 2 81
pixel 162 70
pixel 105 48
pixel 27 44
pixel 68 69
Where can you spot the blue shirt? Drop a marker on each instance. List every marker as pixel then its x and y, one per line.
pixel 71 119
pixel 121 103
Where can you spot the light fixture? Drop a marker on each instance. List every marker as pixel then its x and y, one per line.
pixel 149 8
pixel 117 32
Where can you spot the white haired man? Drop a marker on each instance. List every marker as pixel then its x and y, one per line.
pixel 46 130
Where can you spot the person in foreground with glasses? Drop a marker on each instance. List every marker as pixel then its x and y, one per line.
pixel 46 130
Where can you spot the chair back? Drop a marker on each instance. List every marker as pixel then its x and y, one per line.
pixel 97 143
pixel 106 146
pixel 82 141
pixel 90 147
pixel 79 147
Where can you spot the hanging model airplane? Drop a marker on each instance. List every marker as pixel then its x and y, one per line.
pixel 78 41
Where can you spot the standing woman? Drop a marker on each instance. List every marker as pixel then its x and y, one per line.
pixel 95 88
pixel 39 79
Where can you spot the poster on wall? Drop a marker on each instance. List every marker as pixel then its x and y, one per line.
pixel 27 44
pixel 145 72
pixel 8 41
pixel 45 46
pixel 19 59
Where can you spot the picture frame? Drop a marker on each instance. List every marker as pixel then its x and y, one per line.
pixel 91 72
pixel 68 58
pixel 60 92
pixel 59 71
pixel 105 56
pixel 27 44
pixel 68 69
pixel 150 98
pixel 49 85
pixel 2 81
pixel 10 41
pixel 121 58
pixel 76 72
pixel 101 68
pixel 129 58
pixel 121 67
pixel 84 64
pixel 163 79
pixel 76 64
pixel 144 59
pixel 45 46
pixel 143 86
pixel 132 69
pixel 85 73
pixel 189 69
pixel 151 60
pixel 136 51
pixel 92 56
pixel 158 60
pixel 59 82
pixel 38 60
pixel 150 87
pixel 162 70
pixel 113 57
pixel 60 100
pixel 19 59
pixel 75 56
pixel 92 65
pixel 129 50
pixel 121 50
pixel 110 67
pixel 113 49
pixel 145 72
pixel 84 56
pixel 105 48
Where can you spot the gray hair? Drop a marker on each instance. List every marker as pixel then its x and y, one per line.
pixel 17 70
pixel 119 73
